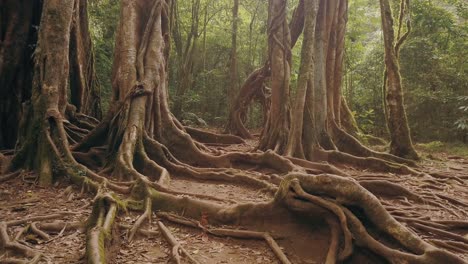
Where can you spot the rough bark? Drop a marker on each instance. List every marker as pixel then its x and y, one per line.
pixel 400 137
pixel 21 21
pixel 18 37
pixel 43 138
pixel 295 145
pixel 275 132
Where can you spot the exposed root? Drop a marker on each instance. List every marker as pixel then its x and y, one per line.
pixel 350 194
pixel 223 232
pixel 145 216
pixel 375 164
pixel 212 138
pixel 100 227
pixel 37 218
pixel 349 144
pixel 10 176
pixel 39 232
pixel 176 247
pixel 16 247
pixel 389 189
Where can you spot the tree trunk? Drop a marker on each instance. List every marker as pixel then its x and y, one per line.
pixel 233 67
pixel 18 37
pixel 43 139
pixel 19 41
pixel 400 136
pixel 275 133
pixel 185 56
pixel 254 85
pixel 84 86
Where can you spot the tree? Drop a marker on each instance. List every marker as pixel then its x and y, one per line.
pixel 233 65
pixel 185 54
pixel 401 144
pixel 142 145
pixel 275 132
pixel 22 20
pixel 254 87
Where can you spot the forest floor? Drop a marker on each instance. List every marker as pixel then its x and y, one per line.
pixel 21 197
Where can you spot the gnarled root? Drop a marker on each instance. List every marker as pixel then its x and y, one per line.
pixel 347 193
pixel 100 227
pixel 16 247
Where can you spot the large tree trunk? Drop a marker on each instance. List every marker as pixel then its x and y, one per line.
pixel 18 43
pixel 43 139
pixel 397 121
pixel 18 37
pixel 275 133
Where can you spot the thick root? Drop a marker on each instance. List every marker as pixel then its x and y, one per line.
pixel 99 232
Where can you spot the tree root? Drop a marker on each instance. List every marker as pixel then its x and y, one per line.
pixel 212 138
pixel 176 247
pixel 14 246
pixel 100 227
pixel 10 176
pixel 389 189
pixel 39 232
pixel 145 216
pixel 375 164
pixel 223 232
pixel 37 218
pixel 349 144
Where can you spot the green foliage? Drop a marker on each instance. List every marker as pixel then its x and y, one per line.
pixel 433 66
pixel 462 122
pixel 452 148
pixel 103 21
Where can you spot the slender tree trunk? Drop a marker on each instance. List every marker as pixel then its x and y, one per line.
pixel 254 85
pixel 401 144
pixel 185 57
pixel 233 65
pixel 84 86
pixel 297 133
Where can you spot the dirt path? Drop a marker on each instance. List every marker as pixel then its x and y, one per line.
pixel 302 242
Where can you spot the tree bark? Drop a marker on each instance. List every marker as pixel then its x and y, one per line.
pixel 233 65
pixel 18 37
pixel 401 144
pixel 275 133
pixel 18 44
pixel 84 86
pixel 43 139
